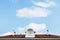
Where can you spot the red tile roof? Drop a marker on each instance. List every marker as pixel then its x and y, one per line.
pixel 36 36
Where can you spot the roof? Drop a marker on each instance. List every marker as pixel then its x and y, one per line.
pixel 29 29
pixel 36 36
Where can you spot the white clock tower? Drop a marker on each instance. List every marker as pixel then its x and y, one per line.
pixel 30 33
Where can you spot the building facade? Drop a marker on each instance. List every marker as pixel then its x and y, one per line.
pixel 30 35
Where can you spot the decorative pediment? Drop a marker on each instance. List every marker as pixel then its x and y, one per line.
pixel 30 33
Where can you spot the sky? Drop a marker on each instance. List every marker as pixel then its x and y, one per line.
pixel 20 15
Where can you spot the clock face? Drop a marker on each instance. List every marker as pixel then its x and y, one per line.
pixel 30 32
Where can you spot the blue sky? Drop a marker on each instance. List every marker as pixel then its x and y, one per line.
pixel 20 15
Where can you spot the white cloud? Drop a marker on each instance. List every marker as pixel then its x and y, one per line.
pixel 32 12
pixel 21 29
pixel 8 33
pixel 34 26
pixel 44 4
pixel 37 27
pixel 39 10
